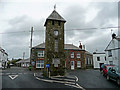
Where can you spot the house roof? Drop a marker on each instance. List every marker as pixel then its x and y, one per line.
pixel 55 16
pixel 88 53
pixel 113 45
pixel 24 61
pixel 98 53
pixel 66 46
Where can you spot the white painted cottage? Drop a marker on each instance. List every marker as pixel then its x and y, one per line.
pixel 98 59
pixel 112 52
pixel 3 58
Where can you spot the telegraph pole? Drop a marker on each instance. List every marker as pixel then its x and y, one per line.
pixel 31 45
pixel 23 58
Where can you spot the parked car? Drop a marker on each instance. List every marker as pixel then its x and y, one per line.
pixel 105 69
pixel 114 74
pixel 102 66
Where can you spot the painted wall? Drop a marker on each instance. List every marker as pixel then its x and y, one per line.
pixel 96 62
pixel 114 57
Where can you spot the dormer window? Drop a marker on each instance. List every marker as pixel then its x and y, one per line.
pixel 56 32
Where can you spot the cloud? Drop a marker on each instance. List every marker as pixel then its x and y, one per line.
pixel 76 17
pixel 100 14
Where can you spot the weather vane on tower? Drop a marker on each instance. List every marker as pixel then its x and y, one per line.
pixel 55 7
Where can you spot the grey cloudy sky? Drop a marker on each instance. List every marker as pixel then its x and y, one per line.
pixel 20 15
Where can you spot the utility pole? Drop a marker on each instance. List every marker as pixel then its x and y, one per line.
pixel 23 58
pixel 31 45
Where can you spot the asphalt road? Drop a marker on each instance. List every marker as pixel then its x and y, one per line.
pixel 25 79
pixel 93 79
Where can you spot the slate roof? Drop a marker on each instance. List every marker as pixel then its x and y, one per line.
pixel 66 46
pixel 55 16
pixel 25 60
pixel 113 45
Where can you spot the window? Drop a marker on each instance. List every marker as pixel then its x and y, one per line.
pixel 40 64
pixel 110 62
pixel 78 54
pixel 59 23
pixel 88 61
pixel 98 58
pixel 52 22
pixel 56 32
pixel 105 58
pixel 72 54
pixel 109 53
pixel 40 53
pixel 56 45
pixel 78 63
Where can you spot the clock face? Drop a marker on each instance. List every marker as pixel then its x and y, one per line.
pixel 56 32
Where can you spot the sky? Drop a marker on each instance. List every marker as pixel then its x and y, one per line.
pixel 18 16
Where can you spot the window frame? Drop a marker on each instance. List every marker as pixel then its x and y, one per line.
pixel 39 64
pixel 72 55
pixel 79 64
pixel 78 54
pixel 110 53
pixel 41 53
pixel 98 58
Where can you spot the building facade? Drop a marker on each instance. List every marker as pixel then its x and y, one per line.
pixel 3 58
pixel 88 60
pixel 75 57
pixel 112 52
pixel 99 59
pixel 23 63
pixel 54 44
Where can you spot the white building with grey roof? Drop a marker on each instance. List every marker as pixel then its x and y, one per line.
pixel 3 58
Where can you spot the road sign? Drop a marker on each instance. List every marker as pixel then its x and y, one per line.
pixel 47 65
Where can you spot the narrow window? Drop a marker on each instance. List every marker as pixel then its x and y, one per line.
pixel 78 54
pixel 52 22
pixel 59 23
pixel 109 53
pixel 72 54
pixel 78 63
pixel 105 58
pixel 56 45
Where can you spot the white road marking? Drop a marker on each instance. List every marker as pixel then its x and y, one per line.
pixel 80 86
pixel 7 73
pixel 34 74
pixel 76 78
pixel 13 76
pixel 72 85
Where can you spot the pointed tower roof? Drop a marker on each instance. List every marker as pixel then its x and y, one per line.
pixel 55 16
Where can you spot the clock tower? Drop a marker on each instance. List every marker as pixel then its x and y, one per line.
pixel 54 45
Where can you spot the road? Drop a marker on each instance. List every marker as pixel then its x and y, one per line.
pixel 23 78
pixel 93 79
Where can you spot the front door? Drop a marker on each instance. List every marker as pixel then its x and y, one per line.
pixel 72 65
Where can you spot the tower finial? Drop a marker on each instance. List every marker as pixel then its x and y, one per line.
pixel 55 7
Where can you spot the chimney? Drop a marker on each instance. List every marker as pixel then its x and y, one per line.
pixel 84 47
pixel 80 46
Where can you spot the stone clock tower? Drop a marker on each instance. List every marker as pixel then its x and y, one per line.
pixel 54 45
